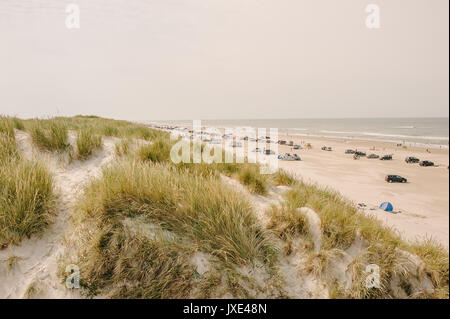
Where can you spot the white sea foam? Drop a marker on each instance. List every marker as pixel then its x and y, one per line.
pixel 440 138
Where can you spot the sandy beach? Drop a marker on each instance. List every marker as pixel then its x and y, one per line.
pixel 421 206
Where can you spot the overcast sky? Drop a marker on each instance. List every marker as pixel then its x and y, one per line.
pixel 206 59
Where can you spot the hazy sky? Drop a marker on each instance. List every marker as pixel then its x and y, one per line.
pixel 203 59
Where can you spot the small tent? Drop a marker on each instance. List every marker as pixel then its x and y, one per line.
pixel 387 207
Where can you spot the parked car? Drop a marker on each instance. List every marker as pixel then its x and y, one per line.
pixel 373 156
pixel 329 149
pixel 349 152
pixel 282 142
pixel 324 148
pixel 386 158
pixel 360 153
pixel 291 143
pixel 395 179
pixel 297 147
pixel 236 144
pixel 412 159
pixel 257 150
pixel 426 163
pixel 291 157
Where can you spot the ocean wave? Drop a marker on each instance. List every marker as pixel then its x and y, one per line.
pixel 443 138
pixel 405 127
pixel 339 132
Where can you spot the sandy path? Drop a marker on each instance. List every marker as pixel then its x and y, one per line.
pixel 422 204
pixel 36 272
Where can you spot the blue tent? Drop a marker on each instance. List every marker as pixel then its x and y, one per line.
pixel 387 207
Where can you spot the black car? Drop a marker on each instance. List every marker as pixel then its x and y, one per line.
pixel 373 156
pixel 360 153
pixel 412 159
pixel 395 179
pixel 349 152
pixel 386 158
pixel 426 163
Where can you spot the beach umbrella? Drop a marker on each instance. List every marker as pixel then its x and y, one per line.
pixel 387 207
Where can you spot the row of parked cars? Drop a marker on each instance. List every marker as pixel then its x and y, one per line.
pixel 414 160
pixel 371 156
pixel 409 160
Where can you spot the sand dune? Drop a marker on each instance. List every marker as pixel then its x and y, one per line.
pixel 36 273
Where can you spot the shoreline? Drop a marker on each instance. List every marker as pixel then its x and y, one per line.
pixel 285 132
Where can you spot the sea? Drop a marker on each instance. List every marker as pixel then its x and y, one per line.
pixel 425 132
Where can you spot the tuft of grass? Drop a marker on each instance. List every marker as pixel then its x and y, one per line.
pixel 26 200
pixel 436 261
pixel 13 261
pixel 18 124
pixel 51 135
pixel 136 266
pixel 282 177
pixel 87 142
pixel 286 222
pixel 110 130
pixel 7 126
pixel 8 149
pixel 250 176
pixel 157 152
pixel 123 147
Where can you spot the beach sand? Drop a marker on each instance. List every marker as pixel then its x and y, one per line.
pixel 421 206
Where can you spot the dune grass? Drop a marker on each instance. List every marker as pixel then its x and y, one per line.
pixel 198 210
pixel 341 224
pixel 249 176
pixel 87 143
pixel 26 194
pixel 51 135
pixel 7 126
pixel 18 124
pixel 122 148
pixel 281 177
pixel 135 266
pixel 181 203
pixel 115 128
pixel 8 149
pixel 158 151
pixel 99 126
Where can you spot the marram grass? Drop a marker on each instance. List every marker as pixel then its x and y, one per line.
pixel 87 143
pixel 26 200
